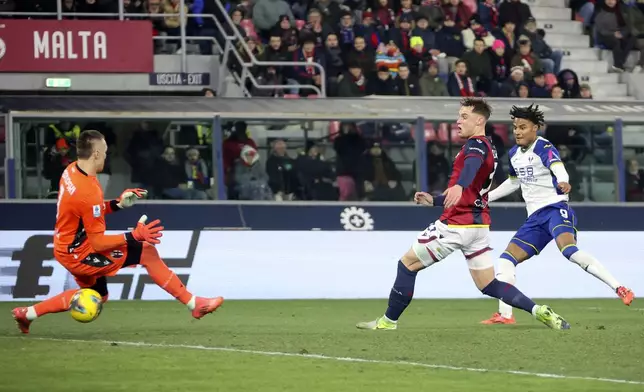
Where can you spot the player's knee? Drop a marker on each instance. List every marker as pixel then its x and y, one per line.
pixel 509 257
pixel 481 260
pixel 412 261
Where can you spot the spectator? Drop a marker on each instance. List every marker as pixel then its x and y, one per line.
pixel 362 56
pixel 477 31
pixel 284 29
pixel 56 159
pixel 408 9
pixel 305 74
pixel 456 12
pixel 197 171
pixel 208 92
pixel 612 32
pixel 282 175
pixel 349 146
pixel 459 84
pixel 353 83
pixel 489 14
pixel 449 43
pixel 526 59
pixel 384 83
pixel 418 57
pixel 173 23
pixel 402 35
pixel 381 177
pixel 500 67
pixel 539 88
pixel 384 16
pixel 575 176
pixel 268 13
pixel 569 82
pixel 269 77
pixel 369 31
pixel 523 90
pixel 334 63
pixel 257 50
pixel 168 179
pixel 432 10
pixel 389 56
pixel 510 87
pixel 275 51
pixel 634 19
pixel 514 11
pixel 316 175
pixel 407 84
pixel 437 168
pixel 425 33
pixel 232 147
pixel 585 91
pixel 556 92
pixel 142 151
pixel 479 65
pixel 431 85
pixel 346 32
pixel 236 15
pixel 331 11
pixel 69 6
pixel 634 181
pixel 317 28
pixel 250 181
pixel 551 59
pixel 508 36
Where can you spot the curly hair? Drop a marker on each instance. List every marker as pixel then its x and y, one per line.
pixel 530 113
pixel 478 105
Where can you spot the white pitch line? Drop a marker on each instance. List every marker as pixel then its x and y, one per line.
pixel 332 358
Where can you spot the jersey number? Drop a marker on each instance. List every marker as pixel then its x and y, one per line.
pixel 61 192
pixel 488 183
pixel 564 213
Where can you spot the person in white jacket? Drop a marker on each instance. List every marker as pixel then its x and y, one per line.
pixel 476 30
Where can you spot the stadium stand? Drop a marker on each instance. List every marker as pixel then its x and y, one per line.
pixel 536 49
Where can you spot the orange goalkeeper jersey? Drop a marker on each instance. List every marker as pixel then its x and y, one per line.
pixel 80 217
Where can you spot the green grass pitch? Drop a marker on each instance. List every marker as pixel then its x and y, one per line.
pixel 311 346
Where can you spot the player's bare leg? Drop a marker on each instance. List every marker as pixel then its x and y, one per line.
pixel 482 271
pixel 170 282
pixel 401 294
pixel 567 244
pixel 506 272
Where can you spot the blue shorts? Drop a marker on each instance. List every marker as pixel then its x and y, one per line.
pixel 543 226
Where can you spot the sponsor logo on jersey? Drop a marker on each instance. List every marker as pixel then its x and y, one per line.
pixel 96 211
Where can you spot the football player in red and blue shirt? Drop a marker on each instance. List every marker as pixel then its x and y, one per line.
pixel 464 225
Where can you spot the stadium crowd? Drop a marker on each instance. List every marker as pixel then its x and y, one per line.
pixel 453 48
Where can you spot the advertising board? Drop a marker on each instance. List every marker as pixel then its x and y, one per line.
pixel 314 264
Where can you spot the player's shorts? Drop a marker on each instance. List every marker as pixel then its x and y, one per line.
pixel 101 264
pixel 439 241
pixel 543 226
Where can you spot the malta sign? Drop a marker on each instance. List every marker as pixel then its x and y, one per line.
pixel 82 46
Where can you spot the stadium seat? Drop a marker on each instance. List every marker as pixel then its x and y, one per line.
pixel 299 24
pixel 249 27
pixel 292 96
pixel 551 80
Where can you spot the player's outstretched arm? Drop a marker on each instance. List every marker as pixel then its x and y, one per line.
pixel 506 188
pixel 127 199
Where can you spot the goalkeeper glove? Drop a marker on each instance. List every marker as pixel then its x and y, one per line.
pixel 150 232
pixel 129 196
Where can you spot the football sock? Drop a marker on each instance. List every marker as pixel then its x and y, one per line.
pixel 163 276
pixel 509 294
pixel 56 304
pixel 402 292
pixel 506 274
pixel 591 265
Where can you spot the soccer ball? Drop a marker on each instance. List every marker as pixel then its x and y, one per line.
pixel 86 305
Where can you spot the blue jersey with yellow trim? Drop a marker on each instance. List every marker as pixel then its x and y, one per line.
pixel 532 167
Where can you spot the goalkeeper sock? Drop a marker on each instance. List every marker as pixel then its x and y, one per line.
pixel 402 292
pixel 163 276
pixel 56 304
pixel 509 294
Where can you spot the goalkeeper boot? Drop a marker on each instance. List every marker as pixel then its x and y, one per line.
pixel 547 316
pixel 379 323
pixel 626 295
pixel 204 306
pixel 20 315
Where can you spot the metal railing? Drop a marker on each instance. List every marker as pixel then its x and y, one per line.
pixel 229 46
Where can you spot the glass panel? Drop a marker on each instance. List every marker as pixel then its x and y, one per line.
pixel 633 136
